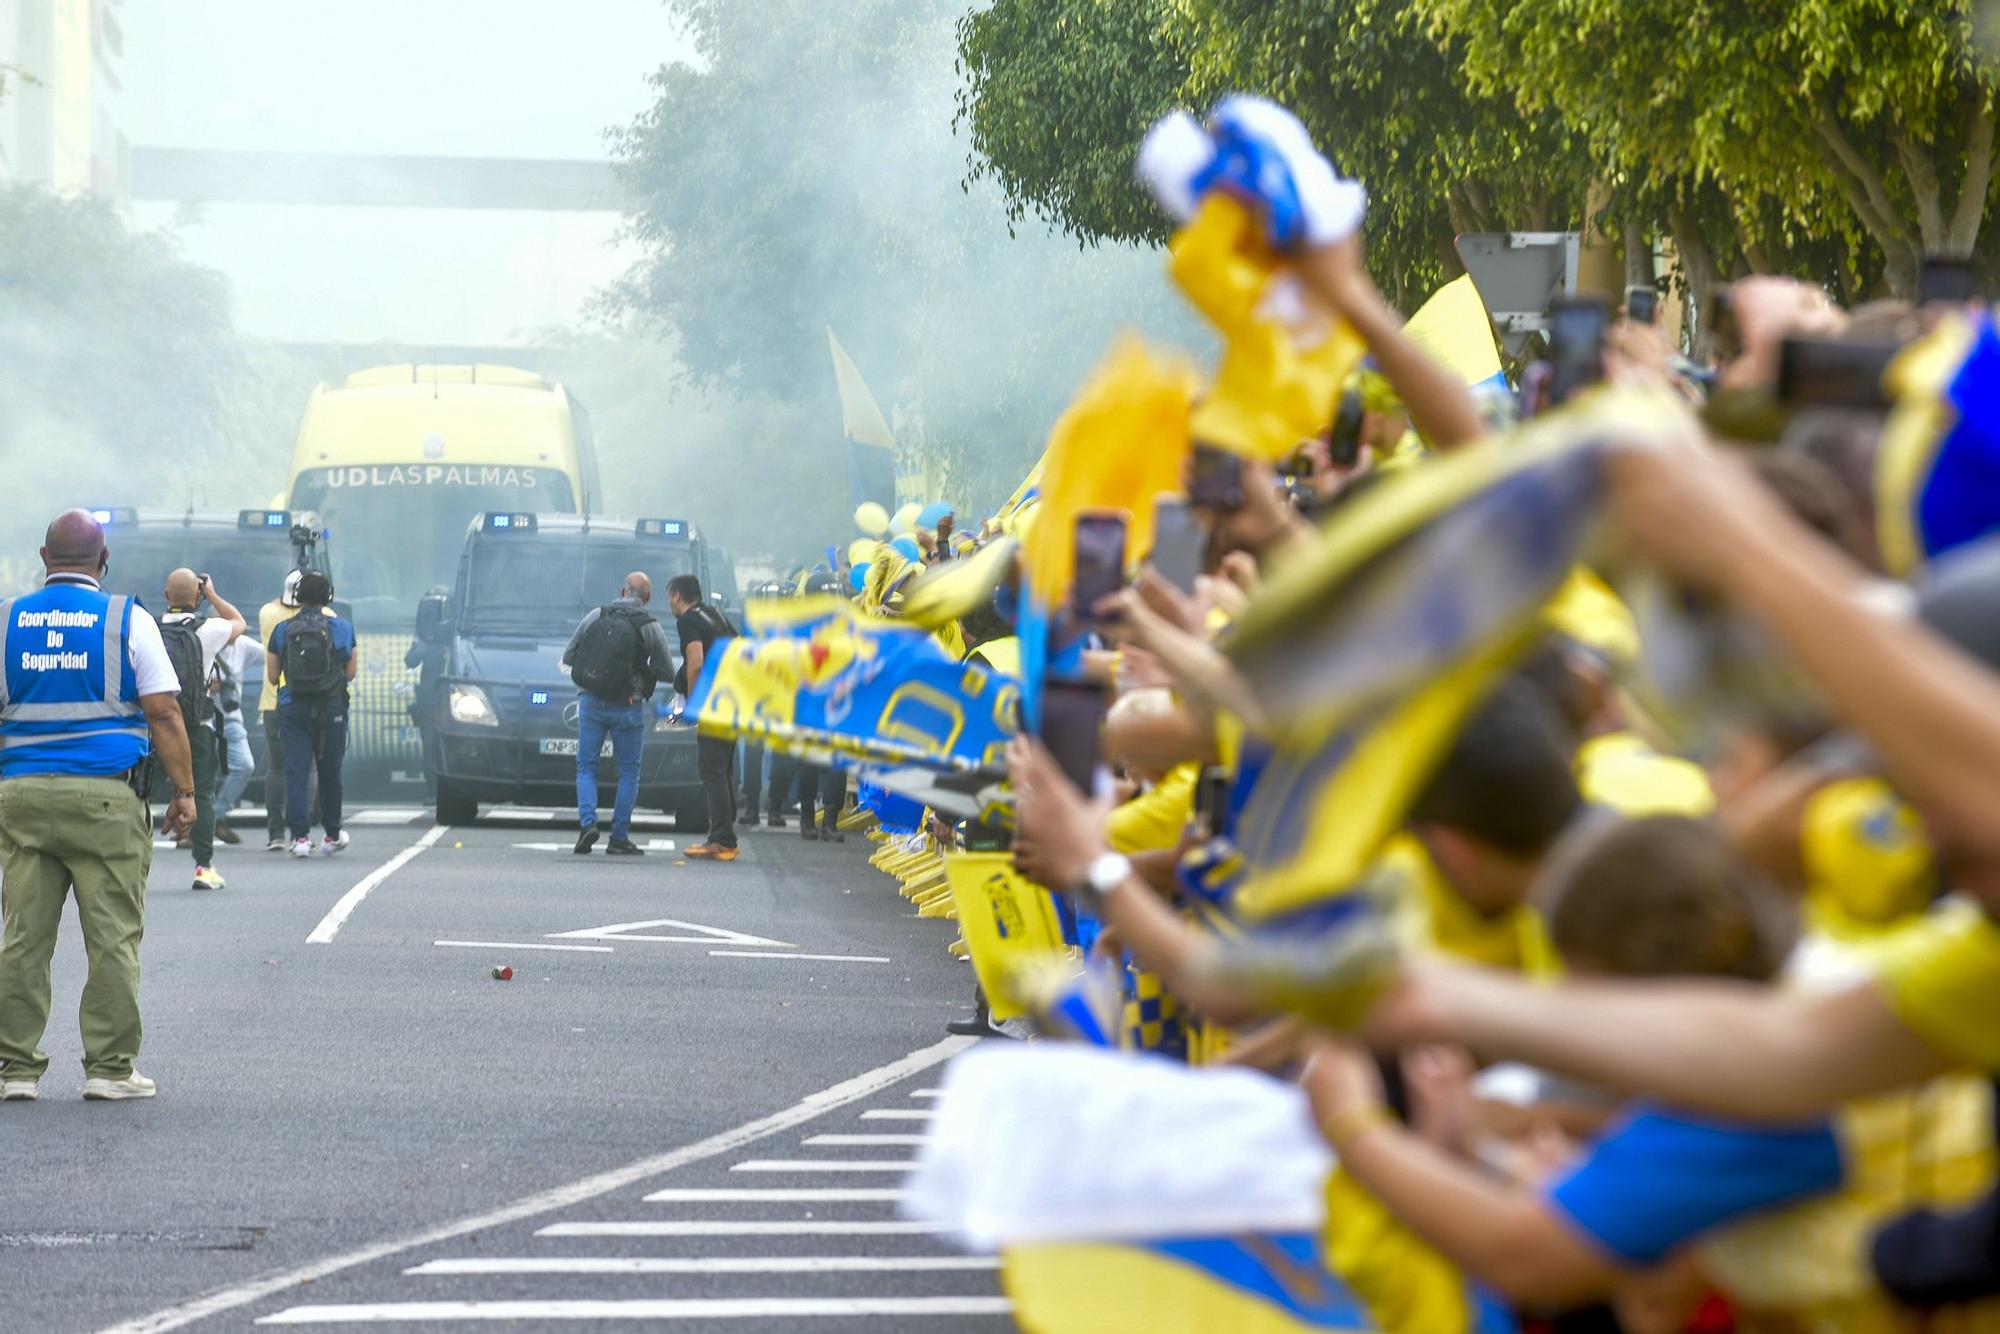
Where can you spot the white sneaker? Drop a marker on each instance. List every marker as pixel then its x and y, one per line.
pixel 329 846
pixel 20 1090
pixel 302 847
pixel 207 877
pixel 134 1085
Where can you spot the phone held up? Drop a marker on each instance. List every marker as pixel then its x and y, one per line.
pixel 1179 542
pixel 1073 728
pixel 1100 561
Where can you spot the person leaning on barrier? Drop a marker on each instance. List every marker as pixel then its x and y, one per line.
pixel 194 642
pixel 701 628
pixel 87 693
pixel 616 657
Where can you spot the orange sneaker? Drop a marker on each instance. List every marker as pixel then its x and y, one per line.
pixel 727 854
pixel 701 852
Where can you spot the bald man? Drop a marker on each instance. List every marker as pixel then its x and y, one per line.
pixel 193 641
pixel 617 657
pixel 87 695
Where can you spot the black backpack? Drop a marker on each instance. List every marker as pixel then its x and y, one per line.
pixel 311 669
pixel 183 641
pixel 610 652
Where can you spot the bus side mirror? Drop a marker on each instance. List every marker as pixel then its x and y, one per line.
pixel 431 612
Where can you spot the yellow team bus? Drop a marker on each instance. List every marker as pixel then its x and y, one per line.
pixel 396 461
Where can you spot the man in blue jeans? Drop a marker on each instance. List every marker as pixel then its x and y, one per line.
pixel 616 658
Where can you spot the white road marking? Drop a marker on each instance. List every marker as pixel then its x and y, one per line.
pixel 651 845
pixel 823 958
pixel 520 945
pixel 704 935
pixel 928 1093
pixel 801 1194
pixel 861 1141
pixel 686 1308
pixel 386 815
pixel 898 1115
pixel 331 923
pixel 753 1264
pixel 823 1165
pixel 704 1227
pixel 562 1197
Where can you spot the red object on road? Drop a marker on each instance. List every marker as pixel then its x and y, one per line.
pixel 503 974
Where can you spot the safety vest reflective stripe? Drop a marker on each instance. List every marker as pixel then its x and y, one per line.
pixel 11 740
pixel 71 713
pixel 114 647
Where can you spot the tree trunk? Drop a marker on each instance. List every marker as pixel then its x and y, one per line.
pixel 1868 196
pixel 1638 256
pixel 1962 231
pixel 1698 264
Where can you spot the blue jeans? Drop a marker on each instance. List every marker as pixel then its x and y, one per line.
pixel 241 764
pixel 625 724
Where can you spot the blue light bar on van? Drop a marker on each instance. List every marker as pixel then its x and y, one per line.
pixel 496 522
pixel 674 528
pixel 115 514
pixel 263 518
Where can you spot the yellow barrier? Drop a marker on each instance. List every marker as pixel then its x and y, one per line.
pixel 1006 920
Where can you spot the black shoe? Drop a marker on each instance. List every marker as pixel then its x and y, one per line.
pixel 586 839
pixel 829 832
pixel 777 820
pixel 623 847
pixel 978 1026
pixel 747 818
pixel 808 832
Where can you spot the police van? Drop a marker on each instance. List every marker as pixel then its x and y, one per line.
pixel 507 711
pixel 248 553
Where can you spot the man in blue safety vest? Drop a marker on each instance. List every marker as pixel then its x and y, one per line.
pixel 87 693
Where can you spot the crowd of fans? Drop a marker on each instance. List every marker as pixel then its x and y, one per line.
pixel 1668 993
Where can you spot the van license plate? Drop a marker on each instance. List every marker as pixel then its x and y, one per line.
pixel 566 745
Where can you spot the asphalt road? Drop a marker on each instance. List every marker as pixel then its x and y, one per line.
pixel 334 1113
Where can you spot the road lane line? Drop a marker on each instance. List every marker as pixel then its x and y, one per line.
pixel 928 1093
pixel 826 958
pixel 732 1264
pixel 685 1308
pixel 898 1115
pixel 562 1197
pixel 858 1141
pixel 825 1165
pixel 330 924
pixel 706 1227
pixel 781 1195
pixel 521 945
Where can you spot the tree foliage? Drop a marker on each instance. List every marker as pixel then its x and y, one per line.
pixel 1838 139
pixel 805 175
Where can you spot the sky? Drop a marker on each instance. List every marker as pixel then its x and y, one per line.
pixel 477 78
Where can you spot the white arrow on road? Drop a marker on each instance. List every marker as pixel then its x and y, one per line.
pixel 702 935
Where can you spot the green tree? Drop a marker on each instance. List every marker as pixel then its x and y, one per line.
pixel 1791 133
pixel 1058 93
pixel 805 174
pixel 122 379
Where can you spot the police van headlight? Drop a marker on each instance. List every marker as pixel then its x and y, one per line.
pixel 469 704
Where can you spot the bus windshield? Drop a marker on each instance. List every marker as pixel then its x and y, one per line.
pixel 249 568
pixel 398 530
pixel 536 584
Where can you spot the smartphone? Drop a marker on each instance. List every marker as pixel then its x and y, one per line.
pixel 1642 303
pixel 1215 478
pixel 1343 439
pixel 1072 728
pixel 1833 372
pixel 1948 280
pixel 1179 542
pixel 1100 560
pixel 1211 800
pixel 1576 346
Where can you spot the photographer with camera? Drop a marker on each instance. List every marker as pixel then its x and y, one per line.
pixel 194 641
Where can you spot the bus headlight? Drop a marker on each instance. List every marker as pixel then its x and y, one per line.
pixel 469 704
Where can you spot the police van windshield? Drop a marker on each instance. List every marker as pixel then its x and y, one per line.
pixel 546 585
pixel 249 568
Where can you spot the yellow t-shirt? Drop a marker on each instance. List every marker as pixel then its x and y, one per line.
pixel 1622 772
pixel 1941 975
pixel 1156 817
pixel 1807 1267
pixel 269 617
pixel 1868 866
pixel 1430 915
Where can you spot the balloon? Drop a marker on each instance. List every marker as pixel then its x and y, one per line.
pixel 934 511
pixel 861 550
pixel 906 518
pixel 858 577
pixel 907 548
pixel 871 518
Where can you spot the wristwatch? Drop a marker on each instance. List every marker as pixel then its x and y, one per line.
pixel 1106 872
